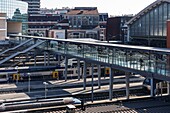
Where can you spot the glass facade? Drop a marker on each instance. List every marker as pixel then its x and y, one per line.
pixel 152 24
pixel 15 10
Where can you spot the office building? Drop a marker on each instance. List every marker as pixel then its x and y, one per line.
pixel 33 6
pixel 16 14
pixel 102 25
pixel 83 17
pixel 39 24
pixel 115 28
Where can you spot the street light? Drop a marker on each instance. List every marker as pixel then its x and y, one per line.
pixel 45 83
pixel 124 33
pixel 28 82
pixel 17 75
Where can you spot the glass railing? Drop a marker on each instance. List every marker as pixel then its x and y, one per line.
pixel 137 61
pixel 141 60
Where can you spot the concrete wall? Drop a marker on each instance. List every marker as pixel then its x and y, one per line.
pixel 14 27
pixel 3 26
pixel 168 34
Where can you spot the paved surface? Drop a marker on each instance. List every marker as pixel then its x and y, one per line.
pixel 38 88
pixel 150 106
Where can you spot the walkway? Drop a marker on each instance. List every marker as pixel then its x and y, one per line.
pixel 148 61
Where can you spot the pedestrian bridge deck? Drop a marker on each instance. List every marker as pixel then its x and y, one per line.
pixel 147 61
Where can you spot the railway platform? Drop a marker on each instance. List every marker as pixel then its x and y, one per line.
pixel 60 87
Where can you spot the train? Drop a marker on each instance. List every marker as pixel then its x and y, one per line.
pixel 72 72
pixel 146 83
pixel 38 103
pixel 160 85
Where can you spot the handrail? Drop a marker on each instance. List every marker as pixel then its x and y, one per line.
pixel 16 46
pixel 24 51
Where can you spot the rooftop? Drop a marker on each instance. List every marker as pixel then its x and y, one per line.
pixel 83 12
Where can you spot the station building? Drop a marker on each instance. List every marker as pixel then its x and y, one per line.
pixel 149 26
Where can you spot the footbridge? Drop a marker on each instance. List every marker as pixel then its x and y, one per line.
pixel 150 62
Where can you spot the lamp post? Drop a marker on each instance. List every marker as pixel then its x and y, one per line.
pixel 28 82
pixel 17 75
pixel 124 33
pixel 45 89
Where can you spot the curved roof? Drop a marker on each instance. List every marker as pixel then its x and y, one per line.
pixel 146 10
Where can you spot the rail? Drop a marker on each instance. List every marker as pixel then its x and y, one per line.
pixel 24 51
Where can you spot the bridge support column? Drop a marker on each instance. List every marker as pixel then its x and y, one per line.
pixel 84 76
pixel 44 58
pixel 127 85
pixel 59 58
pixel 99 76
pixel 168 88
pixel 48 58
pixel 78 70
pixel 104 72
pixel 153 87
pixel 92 82
pixel 161 86
pixel 111 84
pixel 66 67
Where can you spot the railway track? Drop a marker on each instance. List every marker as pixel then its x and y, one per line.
pixel 84 97
pixel 7 92
pixel 147 106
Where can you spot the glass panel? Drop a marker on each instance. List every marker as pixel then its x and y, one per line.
pixel 160 22
pixel 155 21
pixel 165 17
pixel 152 23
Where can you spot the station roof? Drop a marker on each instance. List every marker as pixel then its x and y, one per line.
pixel 147 9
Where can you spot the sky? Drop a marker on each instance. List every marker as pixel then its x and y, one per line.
pixel 113 7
